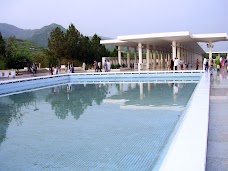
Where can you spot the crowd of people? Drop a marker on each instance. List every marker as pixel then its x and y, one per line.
pixel 222 64
pixel 98 67
pixel 56 70
pixel 177 64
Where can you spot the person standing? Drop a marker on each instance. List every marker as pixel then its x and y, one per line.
pixel 204 63
pixel 99 67
pixel 56 69
pixel 206 66
pixel 176 63
pixel 197 64
pixel 172 64
pixel 33 69
pixel 72 68
pixel 83 66
pixel 106 66
pixel 109 66
pixel 95 66
pixel 51 70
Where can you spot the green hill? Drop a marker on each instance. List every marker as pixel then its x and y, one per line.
pixel 38 36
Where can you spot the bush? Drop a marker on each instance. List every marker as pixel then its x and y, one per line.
pixel 115 66
pixel 124 65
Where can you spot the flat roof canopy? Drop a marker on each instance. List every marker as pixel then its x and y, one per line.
pixel 220 52
pixel 116 42
pixel 215 37
pixel 164 40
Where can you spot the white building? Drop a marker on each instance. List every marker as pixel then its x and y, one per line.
pixel 160 47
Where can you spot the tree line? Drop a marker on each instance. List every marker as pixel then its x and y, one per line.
pixel 63 47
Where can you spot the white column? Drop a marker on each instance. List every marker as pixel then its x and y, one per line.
pixel 187 57
pixel 174 50
pixel 192 58
pixel 209 45
pixel 178 51
pixel 128 57
pixel 135 56
pixel 154 57
pixel 151 58
pixel 119 55
pixel 227 56
pixel 164 59
pixel 140 55
pixel 219 55
pixel 186 53
pixel 161 59
pixel 181 52
pixel 147 57
pixel 168 56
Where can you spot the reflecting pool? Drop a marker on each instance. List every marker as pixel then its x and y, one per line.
pixel 109 126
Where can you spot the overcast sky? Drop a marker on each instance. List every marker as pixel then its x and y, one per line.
pixel 111 18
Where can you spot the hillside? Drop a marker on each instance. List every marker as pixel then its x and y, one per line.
pixel 8 30
pixel 38 36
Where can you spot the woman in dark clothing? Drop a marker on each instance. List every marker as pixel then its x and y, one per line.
pixel 172 64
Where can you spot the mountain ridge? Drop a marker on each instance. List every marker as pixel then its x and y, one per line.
pixel 38 36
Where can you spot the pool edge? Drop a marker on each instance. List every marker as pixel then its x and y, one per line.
pixel 189 146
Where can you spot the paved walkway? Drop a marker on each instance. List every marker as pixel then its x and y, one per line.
pixel 25 74
pixel 217 151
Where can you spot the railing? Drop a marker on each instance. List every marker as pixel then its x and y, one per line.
pixel 7 73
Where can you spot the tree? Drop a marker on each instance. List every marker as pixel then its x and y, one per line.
pixel 73 38
pixel 2 46
pixel 2 52
pixel 11 47
pixel 11 52
pixel 56 45
pixel 98 50
pixel 41 58
pixel 85 52
pixel 114 52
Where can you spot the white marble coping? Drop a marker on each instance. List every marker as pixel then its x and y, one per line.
pixel 103 73
pixel 187 151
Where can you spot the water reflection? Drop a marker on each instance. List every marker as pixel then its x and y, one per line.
pixel 11 109
pixel 157 95
pixel 217 77
pixel 74 99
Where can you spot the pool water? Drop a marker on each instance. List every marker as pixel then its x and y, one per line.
pixel 109 126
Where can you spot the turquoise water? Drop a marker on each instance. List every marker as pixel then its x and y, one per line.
pixel 122 126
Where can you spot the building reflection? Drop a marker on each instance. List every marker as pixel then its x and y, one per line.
pixel 74 99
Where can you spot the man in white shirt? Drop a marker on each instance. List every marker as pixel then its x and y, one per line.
pixel 176 63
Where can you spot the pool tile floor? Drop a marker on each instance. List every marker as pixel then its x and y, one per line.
pixel 217 150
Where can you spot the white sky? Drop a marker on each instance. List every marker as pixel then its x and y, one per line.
pixel 120 17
